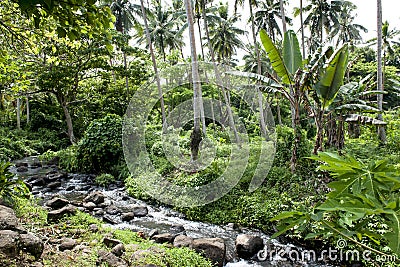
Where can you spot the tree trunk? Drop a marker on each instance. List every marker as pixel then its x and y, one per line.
pixel 381 130
pixel 27 110
pixel 18 113
pixel 319 122
pixel 283 16
pixel 68 120
pixel 260 96
pixel 302 29
pixel 218 78
pixel 153 59
pixel 200 38
pixel 297 139
pixel 196 134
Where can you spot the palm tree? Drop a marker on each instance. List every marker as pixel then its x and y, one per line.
pixel 126 16
pixel 381 130
pixel 253 32
pixel 153 59
pixel 266 18
pixel 197 103
pixel 347 31
pixel 322 15
pixel 165 29
pixel 224 36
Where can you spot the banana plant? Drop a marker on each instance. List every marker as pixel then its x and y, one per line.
pixel 327 89
pixel 325 81
pixel 322 74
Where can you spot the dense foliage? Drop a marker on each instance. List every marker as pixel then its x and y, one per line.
pixel 68 71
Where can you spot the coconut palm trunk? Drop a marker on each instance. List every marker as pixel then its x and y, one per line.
pixel 381 130
pixel 153 59
pixel 302 29
pixel 218 75
pixel 196 134
pixel 260 96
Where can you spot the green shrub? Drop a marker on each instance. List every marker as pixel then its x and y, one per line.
pixel 10 187
pixel 101 146
pixel 104 179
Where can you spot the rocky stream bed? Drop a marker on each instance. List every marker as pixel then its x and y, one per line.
pixel 63 193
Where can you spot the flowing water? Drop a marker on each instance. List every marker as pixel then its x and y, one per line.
pixel 75 187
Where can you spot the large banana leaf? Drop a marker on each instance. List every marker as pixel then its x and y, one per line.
pixel 332 78
pixel 275 57
pixel 291 52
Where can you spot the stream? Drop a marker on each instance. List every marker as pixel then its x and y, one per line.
pixel 75 187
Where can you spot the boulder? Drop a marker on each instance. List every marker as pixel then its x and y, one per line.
pixel 56 215
pixel 89 205
pixel 67 244
pixel 111 259
pixel 182 241
pixel 127 216
pixel 212 248
pixel 9 242
pixel 248 245
pixel 153 233
pixel 96 197
pixel 54 185
pixel 140 211
pixel 164 238
pixel 8 220
pixel 31 244
pixel 113 210
pixel 57 203
pixel 22 169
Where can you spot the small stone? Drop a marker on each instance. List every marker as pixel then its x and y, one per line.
pixel 89 205
pixel 55 215
pixel 22 169
pixel 140 211
pixel 111 259
pixel 93 228
pixel 108 219
pixel 153 233
pixel 96 197
pixel 118 250
pixel 57 203
pixel 111 242
pixel 112 210
pixel 164 238
pixel 128 216
pixel 67 244
pixel 54 185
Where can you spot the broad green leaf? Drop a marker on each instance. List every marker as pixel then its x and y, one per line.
pixel 332 79
pixel 393 237
pixel 291 52
pixel 275 57
pixel 286 214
